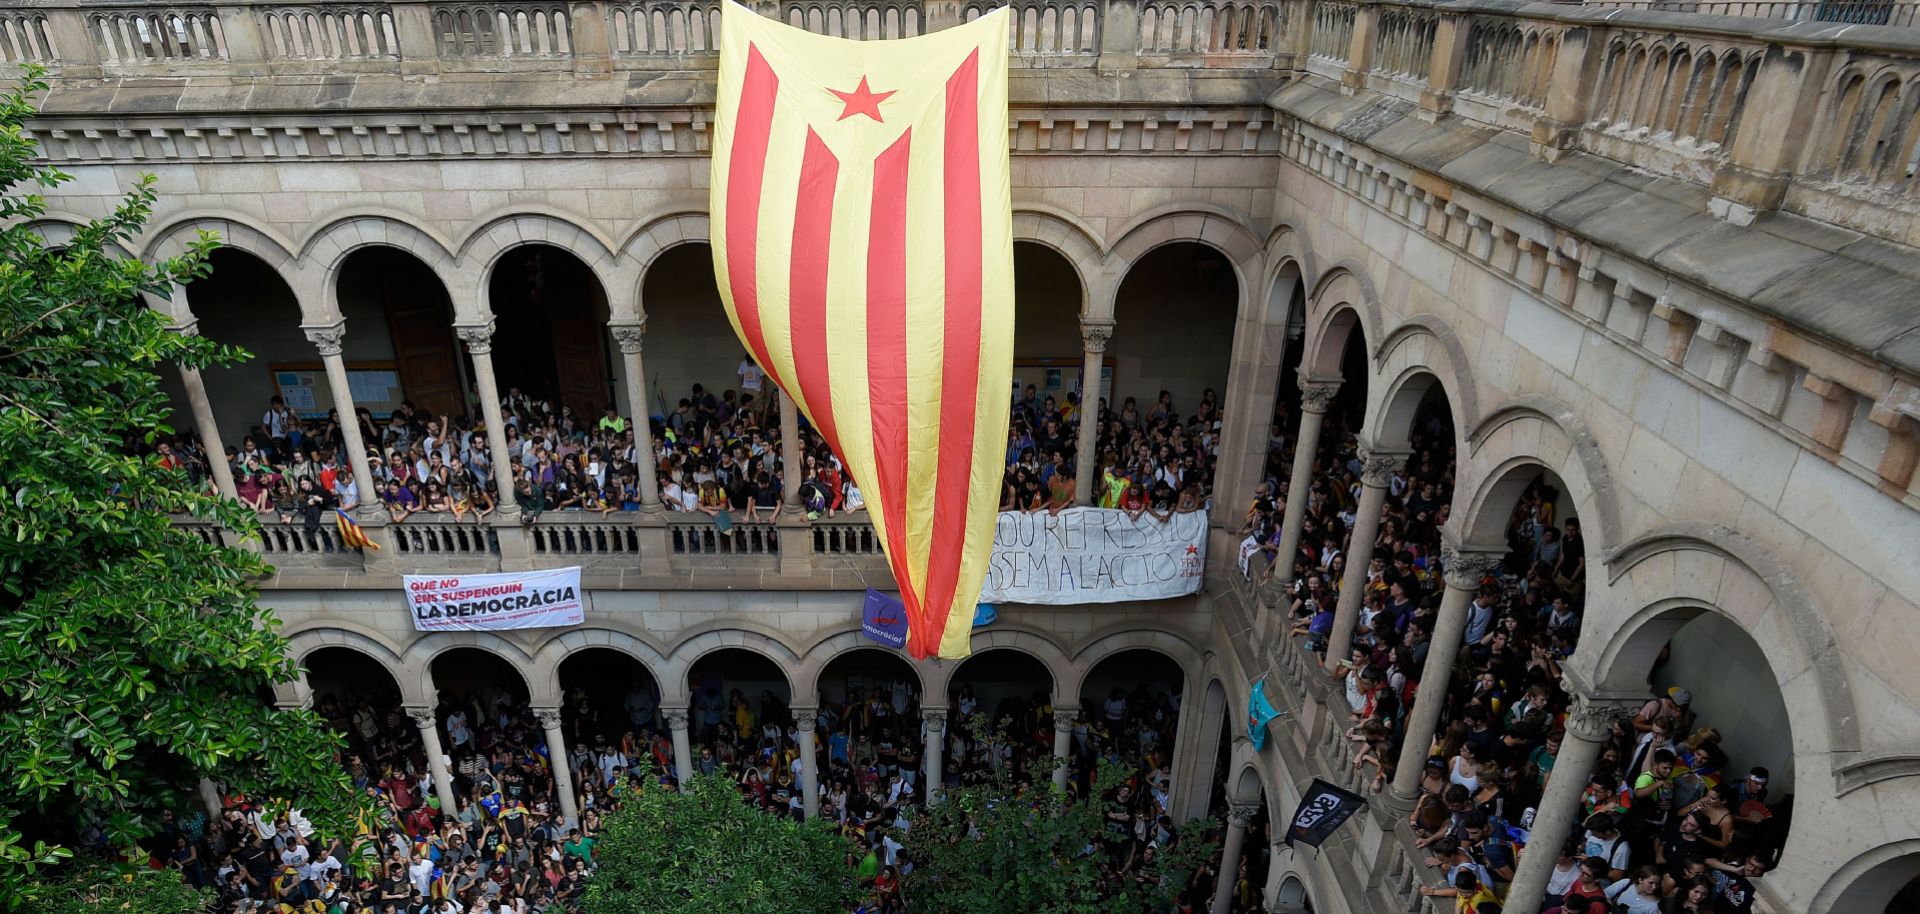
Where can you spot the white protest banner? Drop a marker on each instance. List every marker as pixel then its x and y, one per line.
pixel 491 602
pixel 1094 555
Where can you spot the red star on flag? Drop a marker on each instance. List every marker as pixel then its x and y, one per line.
pixel 1193 550
pixel 862 100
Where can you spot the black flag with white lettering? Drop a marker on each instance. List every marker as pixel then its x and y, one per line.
pixel 1323 809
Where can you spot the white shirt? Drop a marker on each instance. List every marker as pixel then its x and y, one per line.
pixel 750 375
pixel 422 875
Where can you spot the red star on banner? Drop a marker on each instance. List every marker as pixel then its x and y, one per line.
pixel 1193 550
pixel 862 100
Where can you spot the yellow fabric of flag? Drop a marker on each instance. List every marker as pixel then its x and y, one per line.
pixel 863 243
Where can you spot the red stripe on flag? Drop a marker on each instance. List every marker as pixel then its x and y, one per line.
pixel 960 377
pixel 746 173
pixel 812 240
pixel 887 359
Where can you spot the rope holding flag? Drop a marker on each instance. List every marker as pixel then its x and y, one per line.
pixel 863 244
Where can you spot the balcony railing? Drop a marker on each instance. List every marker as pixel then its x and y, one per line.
pixel 660 546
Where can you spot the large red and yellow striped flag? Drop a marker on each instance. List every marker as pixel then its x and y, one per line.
pixel 863 243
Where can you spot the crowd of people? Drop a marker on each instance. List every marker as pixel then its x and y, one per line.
pixel 1665 824
pixel 715 455
pixel 505 847
pixel 1154 461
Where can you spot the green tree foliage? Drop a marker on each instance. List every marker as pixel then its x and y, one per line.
pixel 707 851
pixel 1007 845
pixel 133 656
pixel 99 888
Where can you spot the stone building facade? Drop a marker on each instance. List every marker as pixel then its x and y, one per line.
pixel 1667 258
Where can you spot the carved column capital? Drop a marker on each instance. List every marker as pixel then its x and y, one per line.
pixel 328 338
pixel 628 335
pixel 1063 719
pixel 422 717
pixel 1240 814
pixel 1318 398
pixel 1466 566
pixel 1094 334
pixel 549 718
pixel 805 719
pixel 478 337
pixel 1591 718
pixel 188 327
pixel 936 720
pixel 1379 467
pixel 676 718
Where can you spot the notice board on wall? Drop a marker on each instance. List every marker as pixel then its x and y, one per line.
pixel 375 387
pixel 1055 376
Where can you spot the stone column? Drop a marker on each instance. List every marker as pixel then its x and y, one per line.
pixel 1315 399
pixel 935 752
pixel 1464 568
pixel 203 423
pixel 209 793
pixel 330 339
pixel 628 336
pixel 479 340
pixel 1378 472
pixel 1062 743
pixel 423 718
pixel 805 719
pixel 790 455
pixel 682 755
pixel 1238 815
pixel 1093 335
pixel 1588 723
pixel 557 758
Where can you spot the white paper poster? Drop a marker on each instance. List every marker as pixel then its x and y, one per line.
pixel 492 602
pixel 1094 555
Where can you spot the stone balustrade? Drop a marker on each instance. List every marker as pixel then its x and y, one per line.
pixel 622 549
pixel 1795 107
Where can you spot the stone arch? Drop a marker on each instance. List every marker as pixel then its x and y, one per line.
pixel 480 251
pixel 304 640
pixel 1288 261
pixel 1423 344
pixel 323 252
pixel 421 655
pixel 689 650
pixel 236 231
pixel 1868 882
pixel 643 247
pixel 548 656
pixel 1033 643
pixel 1538 431
pixel 1247 784
pixel 825 651
pixel 1064 234
pixel 57 228
pixel 1121 639
pixel 1214 226
pixel 1342 300
pixel 1665 578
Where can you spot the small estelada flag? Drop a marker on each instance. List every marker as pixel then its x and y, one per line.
pixel 350 533
pixel 863 244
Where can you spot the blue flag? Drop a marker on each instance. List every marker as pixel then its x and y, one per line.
pixel 1259 711
pixel 884 619
pixel 985 614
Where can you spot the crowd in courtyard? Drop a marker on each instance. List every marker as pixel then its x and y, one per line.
pixel 506 848
pixel 1666 824
pixel 711 454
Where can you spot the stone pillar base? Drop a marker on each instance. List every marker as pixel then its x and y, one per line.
pixel 796 545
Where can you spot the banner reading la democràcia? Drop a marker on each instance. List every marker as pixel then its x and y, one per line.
pixel 492 602
pixel 1094 555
